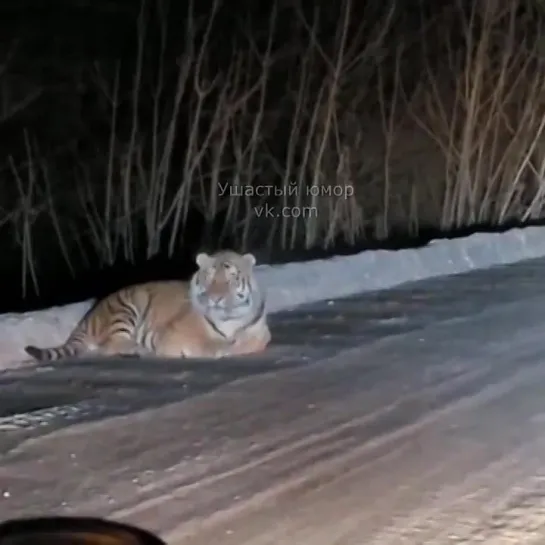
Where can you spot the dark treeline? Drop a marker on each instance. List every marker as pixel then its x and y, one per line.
pixel 120 121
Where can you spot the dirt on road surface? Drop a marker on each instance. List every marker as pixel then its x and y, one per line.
pixel 431 434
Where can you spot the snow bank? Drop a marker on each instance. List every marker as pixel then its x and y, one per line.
pixel 293 284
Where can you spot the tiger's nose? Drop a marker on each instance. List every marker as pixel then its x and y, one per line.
pixel 216 293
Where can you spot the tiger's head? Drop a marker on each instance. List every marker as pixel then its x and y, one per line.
pixel 224 286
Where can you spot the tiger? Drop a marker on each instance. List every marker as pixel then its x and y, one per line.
pixel 219 312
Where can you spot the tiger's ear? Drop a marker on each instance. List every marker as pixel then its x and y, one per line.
pixel 250 258
pixel 203 260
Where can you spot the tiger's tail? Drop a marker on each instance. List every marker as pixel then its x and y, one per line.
pixel 70 349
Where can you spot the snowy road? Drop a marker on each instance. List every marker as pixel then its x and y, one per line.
pixel 409 416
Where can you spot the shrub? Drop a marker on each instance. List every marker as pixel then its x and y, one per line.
pixel 352 121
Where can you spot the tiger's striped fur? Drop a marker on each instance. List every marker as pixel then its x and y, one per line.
pixel 219 312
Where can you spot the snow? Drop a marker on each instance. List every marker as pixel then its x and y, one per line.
pixel 293 284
